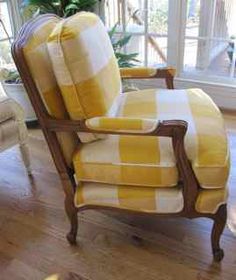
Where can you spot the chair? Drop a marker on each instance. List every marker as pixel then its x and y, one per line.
pixel 151 152
pixel 13 130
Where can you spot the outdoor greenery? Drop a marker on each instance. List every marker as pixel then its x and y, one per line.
pixel 158 18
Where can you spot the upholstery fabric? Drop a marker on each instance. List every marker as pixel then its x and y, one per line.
pixel 149 161
pixel 151 200
pixel 12 126
pixel 36 54
pixel 85 67
pixel 131 125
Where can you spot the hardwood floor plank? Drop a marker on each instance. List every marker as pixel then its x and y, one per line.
pixel 33 226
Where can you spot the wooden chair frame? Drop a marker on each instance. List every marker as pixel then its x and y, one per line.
pixel 175 129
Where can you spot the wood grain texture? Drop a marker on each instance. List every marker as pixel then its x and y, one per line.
pixel 33 224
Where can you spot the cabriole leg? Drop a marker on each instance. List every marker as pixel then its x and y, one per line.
pixel 218 227
pixel 71 212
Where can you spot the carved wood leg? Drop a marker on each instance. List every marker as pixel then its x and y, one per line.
pixel 218 227
pixel 71 212
pixel 24 149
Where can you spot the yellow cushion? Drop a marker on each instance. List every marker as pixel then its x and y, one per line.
pixel 85 66
pixel 150 200
pixel 149 161
pixel 36 55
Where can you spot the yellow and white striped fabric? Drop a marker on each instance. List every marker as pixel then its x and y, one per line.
pixel 36 55
pixel 85 67
pixel 149 161
pixel 150 200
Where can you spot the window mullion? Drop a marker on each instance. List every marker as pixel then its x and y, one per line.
pixel 146 32
pixel 176 34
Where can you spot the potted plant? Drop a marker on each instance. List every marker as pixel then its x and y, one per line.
pixel 62 8
pixel 13 85
pixel 123 59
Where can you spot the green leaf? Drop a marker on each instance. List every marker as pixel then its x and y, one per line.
pixel 123 41
pixel 71 7
pixel 112 31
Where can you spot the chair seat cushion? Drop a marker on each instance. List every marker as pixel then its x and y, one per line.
pixel 150 200
pixel 149 161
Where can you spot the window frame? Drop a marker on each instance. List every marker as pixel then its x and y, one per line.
pixel 177 19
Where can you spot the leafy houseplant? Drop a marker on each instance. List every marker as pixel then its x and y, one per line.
pixel 124 59
pixel 68 8
pixel 62 8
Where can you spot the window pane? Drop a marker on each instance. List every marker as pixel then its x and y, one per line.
pixel 157 52
pixel 158 16
pixel 214 58
pixel 136 45
pixel 190 55
pixel 4 16
pixel 213 23
pixel 135 16
pixel 193 18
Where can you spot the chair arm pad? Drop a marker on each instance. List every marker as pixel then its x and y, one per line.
pixel 146 72
pixel 9 109
pixel 130 125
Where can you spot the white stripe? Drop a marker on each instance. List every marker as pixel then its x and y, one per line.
pixel 169 201
pixel 96 51
pixel 175 106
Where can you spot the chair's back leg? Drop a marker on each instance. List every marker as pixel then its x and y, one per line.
pixel 218 227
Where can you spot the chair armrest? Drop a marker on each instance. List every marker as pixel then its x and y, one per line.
pixel 170 128
pixel 166 73
pixel 10 109
pixel 125 125
pixel 175 129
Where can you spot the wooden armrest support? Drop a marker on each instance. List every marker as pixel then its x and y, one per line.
pixel 167 73
pixel 170 128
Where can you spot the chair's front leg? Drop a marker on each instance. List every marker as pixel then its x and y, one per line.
pixel 71 211
pixel 24 149
pixel 218 227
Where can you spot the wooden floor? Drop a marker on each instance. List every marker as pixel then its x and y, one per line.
pixel 33 227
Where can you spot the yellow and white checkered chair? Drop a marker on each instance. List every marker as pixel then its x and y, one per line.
pixel 153 151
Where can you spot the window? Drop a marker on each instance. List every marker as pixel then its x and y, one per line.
pixel 9 24
pixel 195 36
pixel 6 34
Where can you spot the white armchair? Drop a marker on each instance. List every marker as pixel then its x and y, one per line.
pixel 13 130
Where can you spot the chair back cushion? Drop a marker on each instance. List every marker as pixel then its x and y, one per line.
pixel 36 55
pixel 85 66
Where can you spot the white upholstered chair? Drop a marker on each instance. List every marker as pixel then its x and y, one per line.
pixel 13 130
